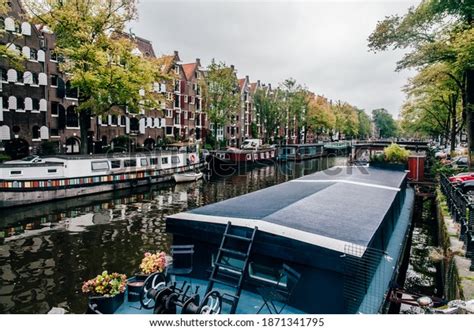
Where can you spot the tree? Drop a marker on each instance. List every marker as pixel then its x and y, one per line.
pixel 100 61
pixel 221 92
pixel 320 117
pixel 295 103
pixel 365 124
pixel 347 121
pixel 268 107
pixel 434 92
pixel 384 123
pixel 9 57
pixel 435 32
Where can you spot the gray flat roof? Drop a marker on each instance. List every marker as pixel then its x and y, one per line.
pixel 331 208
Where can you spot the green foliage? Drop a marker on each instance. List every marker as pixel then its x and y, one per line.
pixel 4 157
pixel 365 125
pixel 395 154
pixel 385 123
pixel 269 109
pixel 49 148
pixel 347 121
pixel 221 93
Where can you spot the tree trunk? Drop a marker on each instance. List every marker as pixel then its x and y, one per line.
pixel 469 108
pixel 84 123
pixel 215 137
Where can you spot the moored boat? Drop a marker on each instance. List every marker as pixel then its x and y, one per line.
pixel 187 177
pixel 299 152
pixel 36 179
pixel 252 153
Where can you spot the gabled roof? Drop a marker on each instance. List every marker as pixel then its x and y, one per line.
pixel 189 69
pixel 241 83
pixel 144 46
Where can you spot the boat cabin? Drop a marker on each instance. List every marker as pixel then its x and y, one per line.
pixel 298 152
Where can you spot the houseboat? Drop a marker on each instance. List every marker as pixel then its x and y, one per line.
pixel 35 179
pixel 339 259
pixel 299 152
pixel 252 153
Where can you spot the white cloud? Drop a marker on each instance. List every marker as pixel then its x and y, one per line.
pixel 322 44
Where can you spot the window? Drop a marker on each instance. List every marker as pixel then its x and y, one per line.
pixel 129 163
pixel 36 132
pixel 36 104
pixel 15 172
pixel 54 56
pixel 169 130
pixel 115 163
pixel 143 162
pixel 4 75
pixel 54 132
pixel 175 160
pixel 100 166
pixel 176 101
pixel 153 161
pixel 33 54
pixel 177 119
pixel 20 102
pixel 20 77
pixel 114 120
pixel 164 160
pixel 54 80
pixel 198 104
pixel 50 170
pixel 185 115
pixel 54 108
pixel 176 85
pixel 185 99
pixel 168 113
pixel 123 120
pixel 34 78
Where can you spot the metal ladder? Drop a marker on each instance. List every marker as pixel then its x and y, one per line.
pixel 227 274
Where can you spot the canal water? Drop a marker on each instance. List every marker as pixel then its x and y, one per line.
pixel 48 250
pixel 423 275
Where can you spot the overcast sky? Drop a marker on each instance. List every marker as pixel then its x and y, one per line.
pixel 322 44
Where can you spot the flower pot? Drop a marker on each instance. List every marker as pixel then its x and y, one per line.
pixel 141 277
pixel 107 305
pixel 134 287
pixel 389 166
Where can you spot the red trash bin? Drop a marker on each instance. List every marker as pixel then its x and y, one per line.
pixel 416 166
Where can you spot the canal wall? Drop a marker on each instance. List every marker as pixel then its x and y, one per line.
pixel 458 280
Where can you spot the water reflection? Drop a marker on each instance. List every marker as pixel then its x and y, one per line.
pixel 48 250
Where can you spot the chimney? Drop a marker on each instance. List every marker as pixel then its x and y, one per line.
pixel 198 62
pixel 247 78
pixel 258 83
pixel 232 67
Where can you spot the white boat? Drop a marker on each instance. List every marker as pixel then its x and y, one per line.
pixel 35 179
pixel 187 177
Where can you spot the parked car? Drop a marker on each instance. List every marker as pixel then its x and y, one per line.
pixel 461 177
pixel 460 162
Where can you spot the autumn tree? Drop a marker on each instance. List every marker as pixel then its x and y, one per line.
pixel 320 117
pixel 347 121
pixel 435 32
pixel 99 62
pixel 9 56
pixel 434 93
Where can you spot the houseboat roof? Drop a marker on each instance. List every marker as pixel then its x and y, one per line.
pixel 329 209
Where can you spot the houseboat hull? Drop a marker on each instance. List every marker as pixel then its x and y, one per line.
pixel 63 177
pixel 348 256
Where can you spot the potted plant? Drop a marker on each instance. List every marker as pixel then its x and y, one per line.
pixel 106 291
pixel 151 263
pixel 394 157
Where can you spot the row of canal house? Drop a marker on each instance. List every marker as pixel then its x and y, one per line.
pixel 38 105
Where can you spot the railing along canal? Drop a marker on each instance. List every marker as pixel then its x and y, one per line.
pixel 461 208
